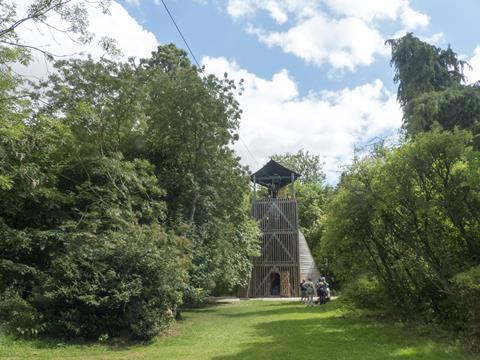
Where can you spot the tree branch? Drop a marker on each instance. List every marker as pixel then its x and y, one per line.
pixel 35 15
pixel 44 52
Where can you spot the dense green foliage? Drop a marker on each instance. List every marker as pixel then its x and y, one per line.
pixel 410 215
pixel 120 195
pixel 406 220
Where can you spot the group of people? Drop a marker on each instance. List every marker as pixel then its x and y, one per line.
pixel 308 289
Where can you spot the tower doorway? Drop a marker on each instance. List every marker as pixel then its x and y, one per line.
pixel 275 284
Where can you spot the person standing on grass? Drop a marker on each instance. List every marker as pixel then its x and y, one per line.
pixel 310 292
pixel 303 292
pixel 322 290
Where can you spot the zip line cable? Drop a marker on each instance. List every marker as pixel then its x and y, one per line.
pixel 183 37
pixel 248 150
pixel 199 67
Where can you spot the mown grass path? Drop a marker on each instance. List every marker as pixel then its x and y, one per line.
pixel 261 330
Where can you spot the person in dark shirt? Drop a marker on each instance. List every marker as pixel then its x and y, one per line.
pixel 322 290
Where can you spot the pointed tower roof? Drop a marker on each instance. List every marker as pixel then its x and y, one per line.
pixel 273 171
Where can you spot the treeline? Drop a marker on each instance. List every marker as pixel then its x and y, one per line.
pixel 403 227
pixel 120 195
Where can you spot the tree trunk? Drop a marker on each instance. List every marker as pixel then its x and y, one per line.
pixel 193 208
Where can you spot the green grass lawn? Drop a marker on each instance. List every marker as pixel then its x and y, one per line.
pixel 260 330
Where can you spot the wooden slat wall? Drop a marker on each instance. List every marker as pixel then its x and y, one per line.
pixel 279 223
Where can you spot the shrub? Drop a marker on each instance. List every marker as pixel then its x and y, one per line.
pixel 115 284
pixel 467 285
pixel 110 269
pixel 18 315
pixel 366 292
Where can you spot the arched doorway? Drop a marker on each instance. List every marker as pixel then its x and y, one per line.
pixel 275 284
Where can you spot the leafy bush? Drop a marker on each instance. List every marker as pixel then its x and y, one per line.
pixel 116 284
pixel 366 292
pixel 111 269
pixel 467 285
pixel 18 315
pixel 217 264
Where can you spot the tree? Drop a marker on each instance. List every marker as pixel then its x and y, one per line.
pixel 402 227
pixel 303 162
pixel 73 13
pixel 421 67
pixel 102 102
pixel 121 197
pixel 193 120
pixel 15 104
pixel 164 111
pixel 410 216
pixel 431 87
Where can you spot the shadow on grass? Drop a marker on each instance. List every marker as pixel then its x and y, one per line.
pixel 331 335
pixel 118 343
pixel 204 308
pixel 114 344
pixel 49 343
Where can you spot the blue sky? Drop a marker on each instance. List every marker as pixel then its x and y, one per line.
pixel 211 31
pixel 317 73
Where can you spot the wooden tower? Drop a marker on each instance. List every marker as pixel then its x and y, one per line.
pixel 278 270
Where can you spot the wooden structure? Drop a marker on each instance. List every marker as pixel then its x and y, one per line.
pixel 278 270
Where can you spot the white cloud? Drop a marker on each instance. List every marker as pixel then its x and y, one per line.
pixel 344 43
pixel 276 119
pixel 133 2
pixel 343 34
pixel 279 10
pixel 132 39
pixel 367 9
pixel 473 73
pixel 412 19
